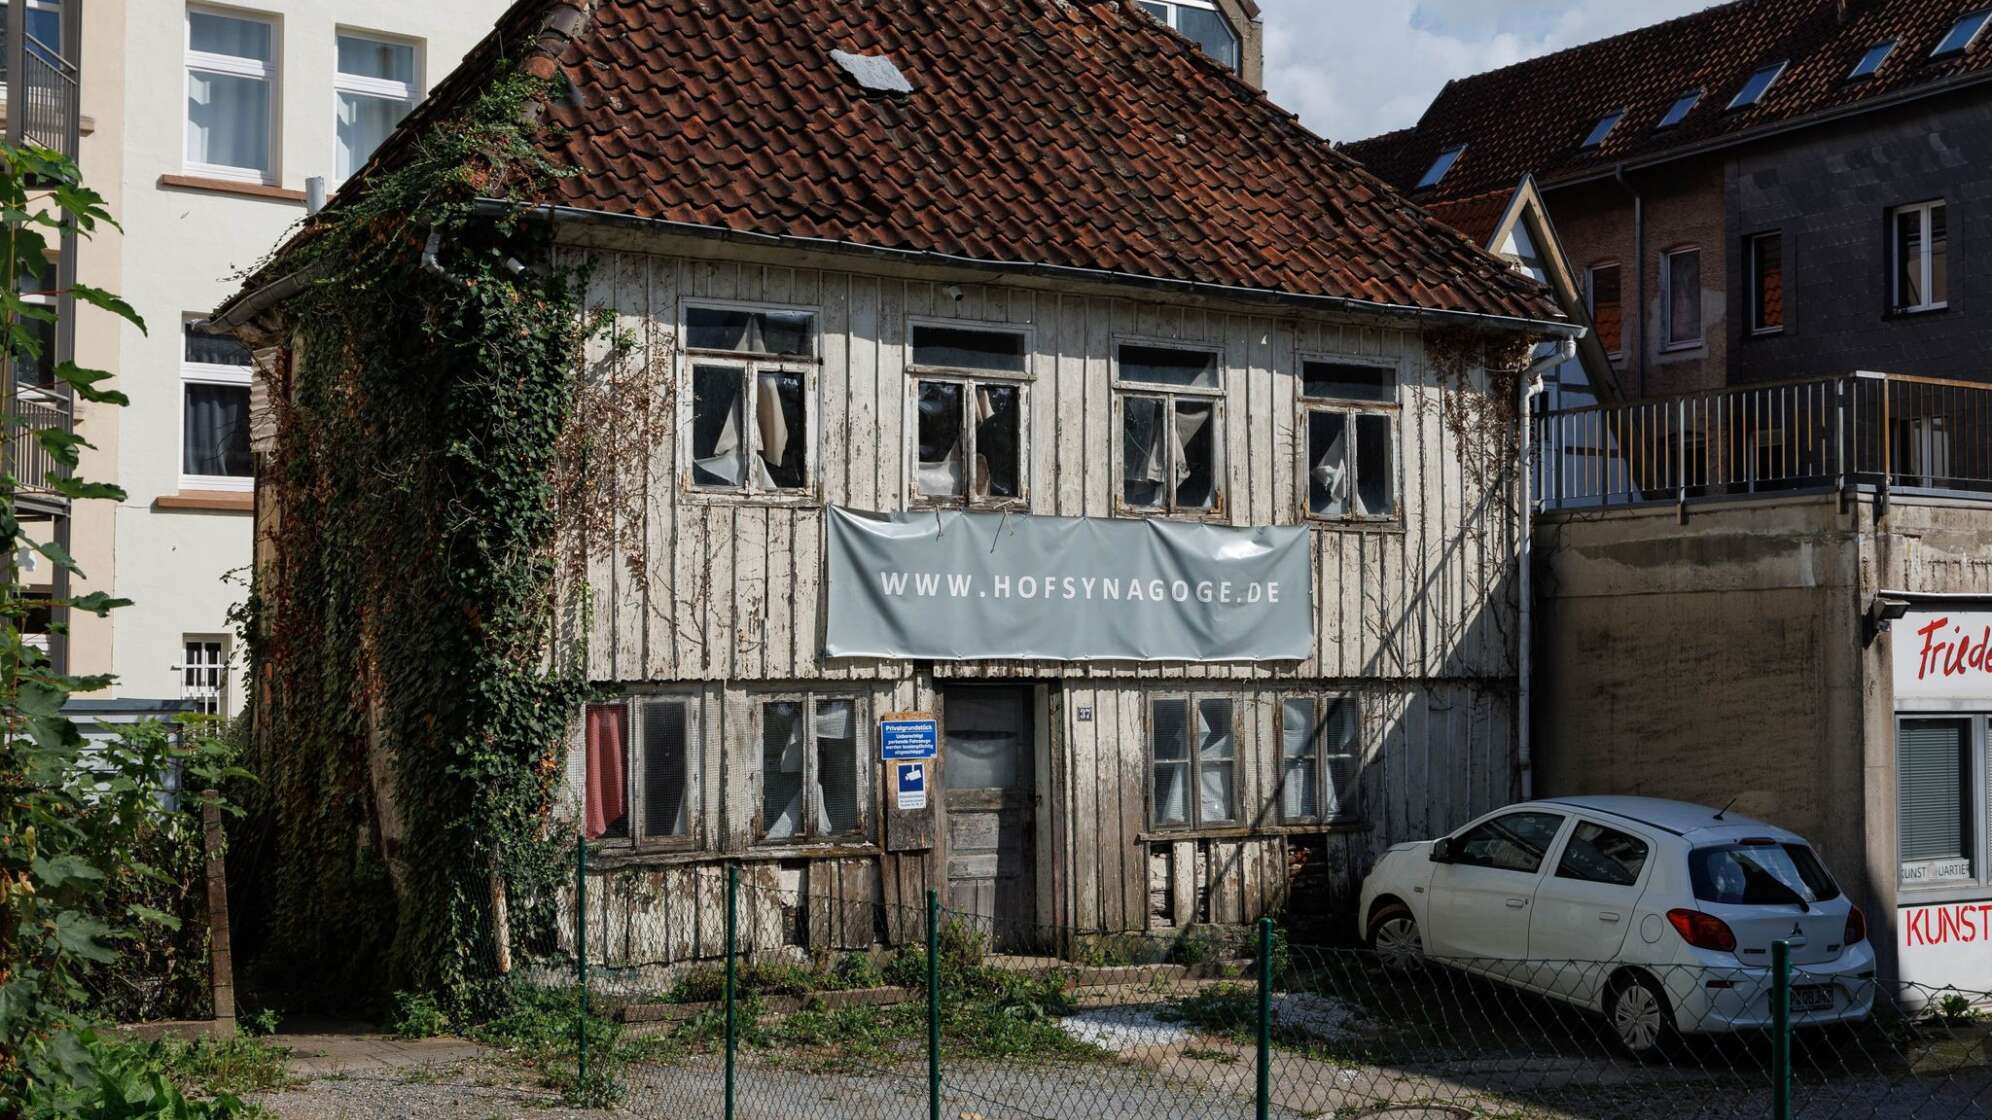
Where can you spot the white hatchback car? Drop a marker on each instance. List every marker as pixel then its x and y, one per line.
pixel 1660 914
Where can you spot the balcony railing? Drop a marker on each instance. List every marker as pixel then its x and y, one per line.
pixel 1860 430
pixel 44 105
pixel 36 411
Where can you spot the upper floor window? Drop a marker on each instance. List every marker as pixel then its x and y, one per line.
pixel 231 96
pixel 1604 128
pixel 1681 298
pixel 1201 21
pixel 1765 253
pixel 1607 314
pixel 812 772
pixel 1193 762
pixel 44 20
pixel 1320 758
pixel 752 373
pixel 1872 60
pixel 38 320
pixel 215 372
pixel 376 88
pixel 1171 405
pixel 1350 414
pixel 1679 111
pixel 1440 166
pixel 1759 84
pixel 1963 34
pixel 1920 257
pixel 641 759
pixel 971 399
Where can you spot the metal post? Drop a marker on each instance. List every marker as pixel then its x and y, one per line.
pixel 581 946
pixel 732 976
pixel 1264 1096
pixel 1780 1030
pixel 933 1005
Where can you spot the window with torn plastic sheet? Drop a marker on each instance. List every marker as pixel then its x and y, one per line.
pixel 1351 465
pixel 1217 763
pixel 964 424
pixel 812 780
pixel 1169 759
pixel 1193 763
pixel 1196 455
pixel 738 331
pixel 943 441
pixel 783 430
pixel 719 454
pixel 1145 455
pixel 1169 449
pixel 770 453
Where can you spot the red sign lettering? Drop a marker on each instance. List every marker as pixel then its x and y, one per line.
pixel 1962 923
pixel 1956 655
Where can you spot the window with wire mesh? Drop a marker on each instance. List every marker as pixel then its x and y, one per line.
pixel 812 772
pixel 1193 762
pixel 1320 758
pixel 640 770
pixel 971 403
pixel 204 675
pixel 1171 407
pixel 751 373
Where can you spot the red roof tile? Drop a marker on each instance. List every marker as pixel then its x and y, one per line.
pixel 1069 133
pixel 1530 118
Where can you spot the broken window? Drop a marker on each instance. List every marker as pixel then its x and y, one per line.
pixel 1171 443
pixel 1320 756
pixel 750 418
pixel 1350 472
pixel 970 439
pixel 639 769
pixel 812 777
pixel 1193 762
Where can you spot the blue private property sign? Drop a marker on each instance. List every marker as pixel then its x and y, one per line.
pixel 908 737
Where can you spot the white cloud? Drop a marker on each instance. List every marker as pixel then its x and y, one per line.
pixel 1354 68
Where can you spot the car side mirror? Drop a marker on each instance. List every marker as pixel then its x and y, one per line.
pixel 1442 850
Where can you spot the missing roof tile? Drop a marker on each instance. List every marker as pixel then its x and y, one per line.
pixel 874 72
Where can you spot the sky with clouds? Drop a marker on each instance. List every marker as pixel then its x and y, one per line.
pixel 1354 68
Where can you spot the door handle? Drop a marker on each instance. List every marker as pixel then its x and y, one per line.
pixel 1517 903
pixel 1607 916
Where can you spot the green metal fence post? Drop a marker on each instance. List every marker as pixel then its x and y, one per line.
pixel 1264 1096
pixel 732 976
pixel 933 1005
pixel 581 945
pixel 1780 1030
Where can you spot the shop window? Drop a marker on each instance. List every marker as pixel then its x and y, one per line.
pixel 812 772
pixel 1320 758
pixel 1939 812
pixel 1171 428
pixel 1193 761
pixel 641 759
pixel 971 403
pixel 1349 412
pixel 752 391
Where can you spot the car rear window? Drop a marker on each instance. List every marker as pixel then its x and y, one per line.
pixel 1759 875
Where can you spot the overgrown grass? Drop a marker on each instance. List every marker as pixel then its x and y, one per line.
pixel 217 1067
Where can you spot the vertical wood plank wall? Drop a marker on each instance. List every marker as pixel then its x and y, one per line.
pixel 1418 618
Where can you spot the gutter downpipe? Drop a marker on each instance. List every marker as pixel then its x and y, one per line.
pixel 1638 264
pixel 1525 641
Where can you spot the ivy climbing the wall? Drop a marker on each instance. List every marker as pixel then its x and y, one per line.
pixel 409 717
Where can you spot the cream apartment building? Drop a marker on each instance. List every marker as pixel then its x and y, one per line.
pixel 202 125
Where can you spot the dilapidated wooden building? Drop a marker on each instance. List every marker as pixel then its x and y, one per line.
pixel 1010 267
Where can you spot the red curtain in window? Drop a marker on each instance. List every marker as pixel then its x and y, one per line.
pixel 608 765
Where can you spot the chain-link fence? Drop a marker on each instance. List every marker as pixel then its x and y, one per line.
pixel 763 1003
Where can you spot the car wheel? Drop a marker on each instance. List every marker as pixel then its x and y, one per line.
pixel 1394 937
pixel 1640 1016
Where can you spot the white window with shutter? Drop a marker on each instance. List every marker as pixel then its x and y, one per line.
pixel 813 772
pixel 1193 762
pixel 1942 788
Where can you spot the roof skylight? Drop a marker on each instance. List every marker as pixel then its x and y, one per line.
pixel 1759 84
pixel 1963 34
pixel 1872 60
pixel 1440 166
pixel 1682 106
pixel 1603 128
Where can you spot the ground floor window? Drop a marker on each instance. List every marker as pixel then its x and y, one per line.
pixel 204 674
pixel 1941 813
pixel 642 756
pixel 1320 755
pixel 1193 759
pixel 812 772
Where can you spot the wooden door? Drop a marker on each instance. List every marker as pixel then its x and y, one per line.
pixel 988 748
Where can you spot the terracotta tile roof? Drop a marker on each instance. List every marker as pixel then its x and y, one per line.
pixel 1070 133
pixel 1530 118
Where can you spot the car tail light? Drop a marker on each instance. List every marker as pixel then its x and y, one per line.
pixel 1856 927
pixel 1703 931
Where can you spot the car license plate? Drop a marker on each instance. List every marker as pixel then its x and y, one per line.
pixel 1812 997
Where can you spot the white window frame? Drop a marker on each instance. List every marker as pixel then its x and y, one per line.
pixel 1327 798
pixel 808 833
pixel 207 373
pixel 1193 801
pixel 1976 783
pixel 1171 395
pixel 233 66
pixel 354 85
pixel 1925 210
pixel 1392 409
pixel 1668 343
pixel 969 378
pixel 1174 21
pixel 1591 300
pixel 1752 293
pixel 633 703
pixel 218 667
pixel 750 365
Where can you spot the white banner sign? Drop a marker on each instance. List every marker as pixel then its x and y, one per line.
pixel 1948 944
pixel 1943 655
